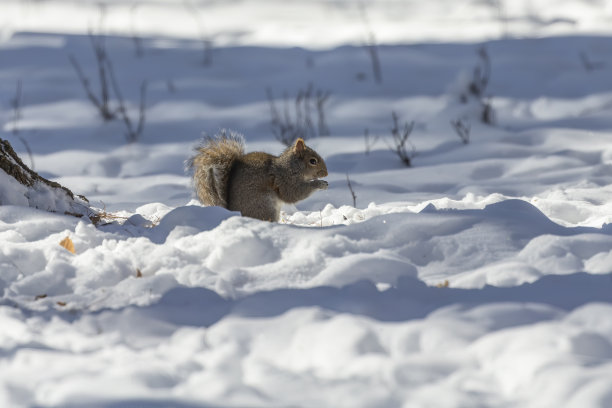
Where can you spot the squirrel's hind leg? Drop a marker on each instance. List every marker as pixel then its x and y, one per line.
pixel 267 209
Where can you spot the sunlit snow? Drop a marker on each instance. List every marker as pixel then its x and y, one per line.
pixel 478 277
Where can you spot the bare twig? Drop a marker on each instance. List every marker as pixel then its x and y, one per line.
pixel 99 46
pixel 105 216
pixel 288 122
pixel 287 126
pixel 400 139
pixel 102 102
pixel 103 108
pixel 369 142
pixel 476 89
pixel 108 84
pixel 308 122
pixel 322 98
pixel 138 43
pixel 16 104
pixel 207 43
pixel 488 113
pixel 373 51
pixel 371 45
pixel 142 108
pixel 132 134
pixel 462 128
pixel 481 74
pixel 207 51
pixel 348 181
pixel 590 65
pixel 303 111
pixel 281 128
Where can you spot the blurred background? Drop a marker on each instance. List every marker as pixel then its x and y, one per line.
pixel 313 23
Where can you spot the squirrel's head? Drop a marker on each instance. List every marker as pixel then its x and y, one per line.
pixel 311 164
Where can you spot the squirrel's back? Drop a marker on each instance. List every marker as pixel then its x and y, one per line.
pixel 212 165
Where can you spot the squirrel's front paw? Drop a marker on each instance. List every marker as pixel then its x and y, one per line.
pixel 322 184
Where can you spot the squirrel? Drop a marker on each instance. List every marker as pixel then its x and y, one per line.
pixel 257 183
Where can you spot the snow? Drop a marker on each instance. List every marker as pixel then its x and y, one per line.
pixel 478 277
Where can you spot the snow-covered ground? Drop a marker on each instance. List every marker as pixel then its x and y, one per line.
pixel 479 277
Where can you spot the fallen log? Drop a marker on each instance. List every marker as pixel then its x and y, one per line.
pixel 22 186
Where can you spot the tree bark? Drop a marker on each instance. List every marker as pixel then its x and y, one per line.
pixel 36 191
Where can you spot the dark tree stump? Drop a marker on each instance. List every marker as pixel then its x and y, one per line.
pixel 25 187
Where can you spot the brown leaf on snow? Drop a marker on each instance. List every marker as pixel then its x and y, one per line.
pixel 68 244
pixel 38 297
pixel 444 284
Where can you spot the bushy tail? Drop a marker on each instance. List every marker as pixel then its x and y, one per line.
pixel 212 165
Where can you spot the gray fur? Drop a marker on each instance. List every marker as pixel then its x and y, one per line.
pixel 256 184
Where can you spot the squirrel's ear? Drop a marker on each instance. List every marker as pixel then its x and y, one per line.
pixel 299 145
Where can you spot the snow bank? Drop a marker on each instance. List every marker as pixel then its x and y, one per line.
pixel 193 347
pixel 505 244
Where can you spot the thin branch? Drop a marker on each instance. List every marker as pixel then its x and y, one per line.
pixel 142 108
pixel 104 110
pixel 207 43
pixel 99 47
pixel 371 45
pixel 482 74
pixel 287 126
pixel 590 65
pixel 136 39
pixel 348 181
pixel 400 139
pixel 308 124
pixel 322 98
pixel 477 87
pixel 369 142
pixel 16 104
pixel 102 103
pixel 462 128
pixel 132 134
pixel 488 113
pixel 376 69
pixel 279 127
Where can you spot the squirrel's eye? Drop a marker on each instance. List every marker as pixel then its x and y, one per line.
pixel 313 161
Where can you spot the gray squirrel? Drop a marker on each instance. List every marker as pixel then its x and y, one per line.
pixel 257 183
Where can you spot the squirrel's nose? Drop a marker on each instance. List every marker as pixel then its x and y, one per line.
pixel 322 173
